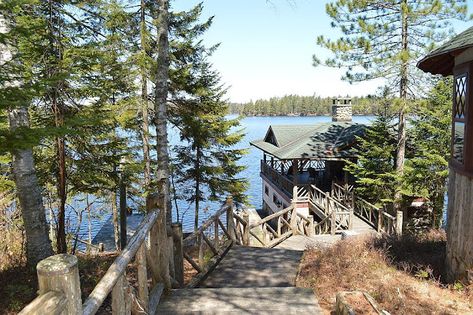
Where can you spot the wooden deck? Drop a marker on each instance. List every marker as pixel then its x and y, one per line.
pixel 249 280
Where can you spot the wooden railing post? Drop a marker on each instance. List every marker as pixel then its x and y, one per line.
pixel 200 245
pixel 142 272
pixel 61 273
pixel 178 253
pixel 293 221
pixel 333 217
pixel 399 218
pixel 230 219
pixel 380 219
pixel 311 225
pixel 121 299
pixel 352 215
pixel 216 242
pixel 246 229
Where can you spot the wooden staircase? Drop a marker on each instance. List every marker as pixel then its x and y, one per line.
pixel 249 280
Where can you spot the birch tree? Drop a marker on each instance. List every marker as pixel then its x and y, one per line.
pixel 16 88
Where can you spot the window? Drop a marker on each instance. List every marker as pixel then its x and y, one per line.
pixel 462 120
pixel 266 190
pixel 459 117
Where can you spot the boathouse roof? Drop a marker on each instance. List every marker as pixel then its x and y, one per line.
pixel 332 140
pixel 442 60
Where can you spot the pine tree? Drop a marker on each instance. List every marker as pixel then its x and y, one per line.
pixel 384 39
pixel 427 172
pixel 375 168
pixel 206 164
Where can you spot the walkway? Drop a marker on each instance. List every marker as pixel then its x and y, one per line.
pixel 302 242
pixel 249 280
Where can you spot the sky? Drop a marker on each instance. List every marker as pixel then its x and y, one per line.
pixel 267 47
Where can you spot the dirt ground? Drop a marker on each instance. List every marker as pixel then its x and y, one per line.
pixel 405 276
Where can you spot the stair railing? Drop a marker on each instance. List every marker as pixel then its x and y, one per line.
pixel 212 240
pixel 59 284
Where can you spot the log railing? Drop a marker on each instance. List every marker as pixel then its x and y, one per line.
pixel 324 206
pixel 59 285
pixel 273 229
pixel 212 241
pixel 157 250
pixel 324 226
pixel 377 217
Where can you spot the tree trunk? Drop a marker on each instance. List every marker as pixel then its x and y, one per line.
pixel 116 230
pixel 197 187
pixel 58 111
pixel 38 245
pixel 61 176
pixel 160 119
pixel 123 214
pixel 161 247
pixel 401 146
pixel 144 103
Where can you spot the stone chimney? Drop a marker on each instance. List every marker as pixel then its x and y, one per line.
pixel 341 109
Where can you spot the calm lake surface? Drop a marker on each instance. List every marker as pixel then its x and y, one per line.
pixel 255 128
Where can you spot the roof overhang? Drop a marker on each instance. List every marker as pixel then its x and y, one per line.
pixel 442 60
pixel 442 63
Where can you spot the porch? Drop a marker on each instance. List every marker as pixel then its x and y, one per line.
pixel 284 175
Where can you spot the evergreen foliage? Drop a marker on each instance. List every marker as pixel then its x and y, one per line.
pixel 375 170
pixel 384 39
pixel 206 165
pixel 427 171
pixel 296 105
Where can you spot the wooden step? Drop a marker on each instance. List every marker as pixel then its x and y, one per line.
pixel 255 267
pixel 269 300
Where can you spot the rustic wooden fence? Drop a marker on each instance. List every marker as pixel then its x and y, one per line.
pixel 155 249
pixel 335 216
pixel 213 240
pixel 273 229
pixel 377 217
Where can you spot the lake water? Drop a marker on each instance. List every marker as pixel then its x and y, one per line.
pixel 255 128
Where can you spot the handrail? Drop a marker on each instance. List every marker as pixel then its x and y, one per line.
pixel 388 215
pixel 53 272
pixel 218 244
pixel 114 272
pixel 303 217
pixel 272 216
pixel 206 224
pixel 51 302
pixel 165 256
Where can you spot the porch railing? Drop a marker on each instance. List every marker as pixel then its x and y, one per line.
pixel 278 178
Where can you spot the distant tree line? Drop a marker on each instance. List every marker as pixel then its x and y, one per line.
pixel 296 105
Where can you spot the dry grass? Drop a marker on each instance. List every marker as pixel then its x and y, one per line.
pixel 404 276
pixel 12 249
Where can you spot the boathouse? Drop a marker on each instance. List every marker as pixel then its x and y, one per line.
pixel 297 156
pixel 455 57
